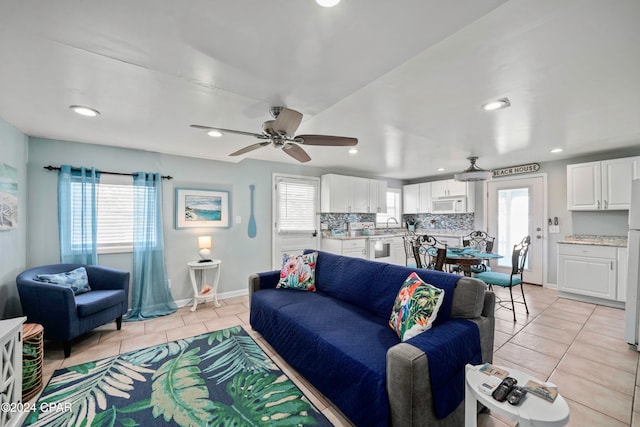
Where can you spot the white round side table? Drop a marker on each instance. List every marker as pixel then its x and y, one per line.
pixel 198 296
pixel 532 411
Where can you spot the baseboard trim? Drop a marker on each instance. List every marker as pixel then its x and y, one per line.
pixel 222 296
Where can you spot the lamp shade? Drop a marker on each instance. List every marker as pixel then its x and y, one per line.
pixel 204 242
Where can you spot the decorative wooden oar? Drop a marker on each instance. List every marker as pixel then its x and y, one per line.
pixel 252 220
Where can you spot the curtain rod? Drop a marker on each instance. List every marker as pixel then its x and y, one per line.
pixel 54 168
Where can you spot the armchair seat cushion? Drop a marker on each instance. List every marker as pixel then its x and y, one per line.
pixel 498 279
pixel 96 301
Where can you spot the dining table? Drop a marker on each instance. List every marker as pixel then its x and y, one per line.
pixel 468 257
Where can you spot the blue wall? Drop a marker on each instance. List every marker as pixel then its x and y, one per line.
pixel 13 152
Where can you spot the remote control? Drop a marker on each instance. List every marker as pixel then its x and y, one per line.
pixel 500 394
pixel 516 395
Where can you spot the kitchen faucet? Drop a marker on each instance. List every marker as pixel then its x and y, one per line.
pixel 391 218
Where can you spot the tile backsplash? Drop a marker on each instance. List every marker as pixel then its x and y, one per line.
pixel 440 221
pixel 463 221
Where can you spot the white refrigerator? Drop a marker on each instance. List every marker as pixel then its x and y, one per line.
pixel 632 309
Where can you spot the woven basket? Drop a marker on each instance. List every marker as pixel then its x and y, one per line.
pixel 32 359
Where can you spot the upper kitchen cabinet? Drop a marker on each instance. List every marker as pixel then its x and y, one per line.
pixel 377 196
pixel 348 194
pixel 416 198
pixel 448 188
pixel 604 185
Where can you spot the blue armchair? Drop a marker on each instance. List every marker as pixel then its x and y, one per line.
pixel 66 316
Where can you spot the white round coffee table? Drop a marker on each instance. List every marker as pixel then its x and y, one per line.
pixel 532 411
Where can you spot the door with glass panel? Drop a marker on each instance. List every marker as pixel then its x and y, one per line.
pixel 296 217
pixel 515 209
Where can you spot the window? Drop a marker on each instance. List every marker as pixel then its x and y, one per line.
pixel 114 197
pixel 394 209
pixel 297 205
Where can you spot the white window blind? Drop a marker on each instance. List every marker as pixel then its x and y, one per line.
pixel 297 205
pixel 114 197
pixel 394 209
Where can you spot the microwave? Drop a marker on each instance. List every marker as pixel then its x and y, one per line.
pixel 449 205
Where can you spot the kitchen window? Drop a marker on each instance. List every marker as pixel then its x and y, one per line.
pixel 394 210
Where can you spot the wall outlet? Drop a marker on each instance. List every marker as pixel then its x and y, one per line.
pixel 554 229
pixel 238 219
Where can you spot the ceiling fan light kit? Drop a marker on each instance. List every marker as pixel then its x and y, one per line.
pixel 279 132
pixel 473 172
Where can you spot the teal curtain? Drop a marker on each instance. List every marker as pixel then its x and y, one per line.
pixel 77 215
pixel 151 296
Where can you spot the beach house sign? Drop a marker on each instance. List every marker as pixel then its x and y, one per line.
pixel 516 170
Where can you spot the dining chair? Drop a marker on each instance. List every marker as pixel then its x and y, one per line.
pixel 409 241
pixel 429 252
pixel 481 241
pixel 518 259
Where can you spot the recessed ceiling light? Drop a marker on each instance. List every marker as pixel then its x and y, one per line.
pixel 497 104
pixel 327 3
pixel 353 151
pixel 84 111
pixel 557 150
pixel 214 133
pixel 440 169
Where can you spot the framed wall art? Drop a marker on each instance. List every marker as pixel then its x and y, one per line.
pixel 8 197
pixel 201 208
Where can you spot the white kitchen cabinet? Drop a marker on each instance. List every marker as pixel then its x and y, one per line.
pixel 588 270
pixel 604 185
pixel 448 188
pixel 416 198
pixel 450 241
pixel 350 194
pixel 377 196
pixel 356 248
pixel 11 370
pixel 398 252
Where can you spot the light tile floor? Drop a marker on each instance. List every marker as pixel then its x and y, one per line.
pixel 578 346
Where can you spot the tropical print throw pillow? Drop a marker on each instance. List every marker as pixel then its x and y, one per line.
pixel 76 279
pixel 415 308
pixel 299 272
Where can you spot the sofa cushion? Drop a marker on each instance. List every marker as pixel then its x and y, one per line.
pixel 95 301
pixel 416 307
pixel 298 272
pixel 76 279
pixel 468 300
pixel 340 348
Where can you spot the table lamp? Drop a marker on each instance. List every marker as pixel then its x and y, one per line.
pixel 204 243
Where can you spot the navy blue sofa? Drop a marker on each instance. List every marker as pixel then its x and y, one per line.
pixel 338 338
pixel 65 316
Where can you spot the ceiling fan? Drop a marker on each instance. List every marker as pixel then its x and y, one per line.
pixel 280 132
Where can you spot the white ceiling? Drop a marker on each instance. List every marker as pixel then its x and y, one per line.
pixel 406 78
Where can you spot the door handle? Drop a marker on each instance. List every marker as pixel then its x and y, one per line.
pixel 538 237
pixel 606 204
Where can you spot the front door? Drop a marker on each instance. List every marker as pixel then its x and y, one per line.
pixel 296 207
pixel 515 209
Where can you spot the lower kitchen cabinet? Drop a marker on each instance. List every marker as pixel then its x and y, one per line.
pixel 399 254
pixel 356 248
pixel 589 270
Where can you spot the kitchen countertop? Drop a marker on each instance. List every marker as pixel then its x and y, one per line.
pixel 398 232
pixel 595 240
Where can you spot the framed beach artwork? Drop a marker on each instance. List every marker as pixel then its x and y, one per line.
pixel 201 208
pixel 8 197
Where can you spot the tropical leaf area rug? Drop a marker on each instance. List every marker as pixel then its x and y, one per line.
pixel 218 379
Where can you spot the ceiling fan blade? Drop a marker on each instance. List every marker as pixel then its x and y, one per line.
pixel 250 148
pixel 239 132
pixel 327 140
pixel 287 121
pixel 296 152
